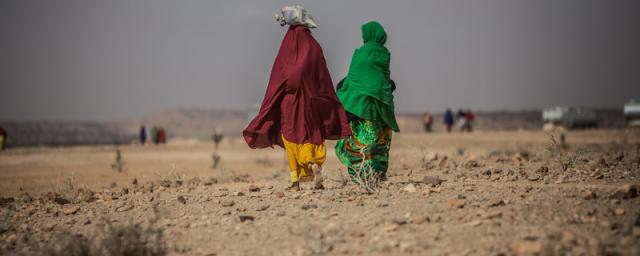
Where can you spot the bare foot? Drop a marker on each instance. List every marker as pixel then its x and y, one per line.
pixel 317 173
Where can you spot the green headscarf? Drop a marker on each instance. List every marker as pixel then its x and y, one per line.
pixel 366 91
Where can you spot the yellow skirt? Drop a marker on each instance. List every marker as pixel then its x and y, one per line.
pixel 300 156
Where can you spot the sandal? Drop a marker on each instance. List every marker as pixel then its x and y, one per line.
pixel 295 187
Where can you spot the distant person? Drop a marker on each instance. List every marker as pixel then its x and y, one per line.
pixel 448 119
pixel 462 120
pixel 143 135
pixel 3 138
pixel 367 93
pixel 300 109
pixel 148 131
pixel 162 136
pixel 427 121
pixel 154 135
pixel 469 118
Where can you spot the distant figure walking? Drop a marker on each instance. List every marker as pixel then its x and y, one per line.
pixel 469 118
pixel 148 131
pixel 153 135
pixel 448 119
pixel 143 135
pixel 367 94
pixel 3 138
pixel 300 109
pixel 461 120
pixel 162 136
pixel 427 121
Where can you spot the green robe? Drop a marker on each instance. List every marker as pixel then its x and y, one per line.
pixel 366 91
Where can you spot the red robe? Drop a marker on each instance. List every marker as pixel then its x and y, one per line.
pixel 300 102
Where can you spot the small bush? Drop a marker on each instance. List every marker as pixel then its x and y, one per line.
pixel 173 178
pixel 115 240
pixel 132 239
pixel 365 177
pixel 72 191
pixel 6 222
pixel 555 149
pixel 67 244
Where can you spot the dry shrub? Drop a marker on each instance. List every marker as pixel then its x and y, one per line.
pixel 215 158
pixel 6 221
pixel 132 239
pixel 114 240
pixel 365 177
pixel 73 191
pixel 174 177
pixel 563 159
pixel 118 163
pixel 67 244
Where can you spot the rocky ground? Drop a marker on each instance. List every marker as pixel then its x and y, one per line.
pixel 479 194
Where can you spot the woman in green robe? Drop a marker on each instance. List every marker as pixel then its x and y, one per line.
pixel 366 93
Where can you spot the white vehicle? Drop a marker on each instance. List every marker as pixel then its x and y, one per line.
pixel 632 113
pixel 569 117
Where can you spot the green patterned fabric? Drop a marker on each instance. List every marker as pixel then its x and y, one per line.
pixel 370 140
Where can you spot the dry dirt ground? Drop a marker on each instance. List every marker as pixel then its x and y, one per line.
pixel 486 193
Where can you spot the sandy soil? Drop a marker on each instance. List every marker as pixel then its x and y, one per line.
pixel 501 193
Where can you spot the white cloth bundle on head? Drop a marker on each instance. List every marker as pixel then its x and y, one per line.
pixel 295 15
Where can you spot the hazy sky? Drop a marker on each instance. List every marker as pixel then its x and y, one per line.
pixel 116 59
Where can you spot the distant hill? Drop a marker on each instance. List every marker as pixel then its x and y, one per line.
pixel 50 133
pixel 200 124
pixel 191 123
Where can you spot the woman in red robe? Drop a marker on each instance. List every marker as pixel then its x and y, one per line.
pixel 300 109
